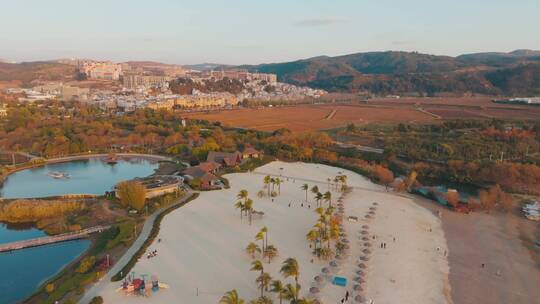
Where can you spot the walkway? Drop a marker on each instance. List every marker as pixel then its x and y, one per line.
pixel 51 239
pixel 96 289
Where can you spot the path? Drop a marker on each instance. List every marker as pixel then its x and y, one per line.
pixel 41 241
pixel 96 289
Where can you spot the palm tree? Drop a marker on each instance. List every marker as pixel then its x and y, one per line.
pixel 314 189
pixel 318 198
pixel 329 182
pixel 291 293
pixel 327 196
pixel 252 249
pixel 231 297
pixel 264 230
pixel 248 206
pixel 278 288
pixel 242 195
pixel 290 268
pixel 262 300
pixel 273 182
pixel 270 252
pixel 264 280
pixel 240 205
pixel 260 237
pixel 257 265
pixel 305 187
pixel 313 236
pixel 267 180
pixel 260 194
pixel 305 301
pixel 278 183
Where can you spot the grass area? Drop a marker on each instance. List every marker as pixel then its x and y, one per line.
pixel 153 234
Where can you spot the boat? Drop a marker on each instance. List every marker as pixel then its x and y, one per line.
pixel 112 159
pixel 58 175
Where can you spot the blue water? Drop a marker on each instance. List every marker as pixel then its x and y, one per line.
pixel 92 176
pixel 23 271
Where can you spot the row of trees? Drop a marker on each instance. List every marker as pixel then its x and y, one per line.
pixel 289 292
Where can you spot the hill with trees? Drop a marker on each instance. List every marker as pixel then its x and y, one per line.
pixel 515 73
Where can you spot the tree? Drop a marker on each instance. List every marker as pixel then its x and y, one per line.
pixel 327 196
pixel 278 182
pixel 267 180
pixel 242 195
pixel 132 193
pixel 49 288
pixel 313 236
pixel 231 297
pixel 319 197
pixel 305 187
pixel 239 205
pixel 453 198
pixel 260 237
pixel 291 292
pixel 384 175
pixel 411 180
pixel 262 300
pixel 96 300
pixel 257 265
pixel 315 189
pixel 86 264
pixel 278 288
pixel 264 280
pixel 270 252
pixel 264 230
pixel 290 268
pixel 252 249
pixel 248 206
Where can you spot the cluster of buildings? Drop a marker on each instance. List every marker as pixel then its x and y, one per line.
pixel 278 91
pixel 241 75
pixel 52 90
pixel 106 70
pixel 205 172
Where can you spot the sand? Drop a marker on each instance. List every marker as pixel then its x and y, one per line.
pixel 201 254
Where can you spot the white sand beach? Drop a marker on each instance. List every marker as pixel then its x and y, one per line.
pixel 202 250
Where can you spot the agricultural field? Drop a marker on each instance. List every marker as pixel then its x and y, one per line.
pixel 311 117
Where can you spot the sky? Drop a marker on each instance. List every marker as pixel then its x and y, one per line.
pixel 252 32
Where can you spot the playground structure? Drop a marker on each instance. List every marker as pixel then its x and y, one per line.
pixel 141 286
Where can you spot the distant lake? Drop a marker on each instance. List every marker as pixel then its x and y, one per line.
pixel 25 270
pixel 90 176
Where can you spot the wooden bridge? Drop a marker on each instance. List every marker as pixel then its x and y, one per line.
pixel 51 239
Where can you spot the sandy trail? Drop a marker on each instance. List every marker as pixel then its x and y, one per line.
pixel 201 255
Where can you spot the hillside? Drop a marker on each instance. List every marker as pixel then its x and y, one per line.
pixel 29 71
pixel 514 73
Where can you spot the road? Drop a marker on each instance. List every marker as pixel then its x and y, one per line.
pixel 96 289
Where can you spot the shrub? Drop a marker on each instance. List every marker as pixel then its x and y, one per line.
pixel 97 300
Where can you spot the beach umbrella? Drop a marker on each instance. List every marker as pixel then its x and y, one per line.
pixel 325 270
pixel 367 216
pixel 364 232
pixel 342 234
pixel 359 280
pixel 357 287
pixel 333 264
pixel 371 212
pixel 364 258
pixel 360 272
pixel 367 244
pixel 375 204
pixel 373 208
pixel 344 240
pixel 362 266
pixel 318 279
pixel 359 298
pixel 365 238
pixel 366 251
pixel 314 290
pixel 365 227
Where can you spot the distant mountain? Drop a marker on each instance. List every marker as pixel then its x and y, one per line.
pixel 207 66
pixel 29 71
pixel 412 72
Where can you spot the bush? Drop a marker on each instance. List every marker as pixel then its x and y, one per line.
pixel 49 288
pixel 97 300
pixel 86 264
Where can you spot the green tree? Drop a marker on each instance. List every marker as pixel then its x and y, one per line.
pixel 132 193
pixel 231 297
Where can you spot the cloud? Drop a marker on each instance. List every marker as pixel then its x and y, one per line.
pixel 319 21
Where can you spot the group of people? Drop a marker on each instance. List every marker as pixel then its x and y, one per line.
pixel 302 205
pixel 152 254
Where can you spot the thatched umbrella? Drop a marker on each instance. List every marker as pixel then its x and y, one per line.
pixel 364 258
pixel 345 241
pixel 364 232
pixel 365 238
pixel 371 212
pixel 314 290
pixel 333 264
pixel 359 280
pixel 362 266
pixel 365 226
pixel 373 208
pixel 318 279
pixel 325 270
pixel 357 287
pixel 366 251
pixel 359 298
pixel 375 204
pixel 367 244
pixel 360 272
pixel 367 216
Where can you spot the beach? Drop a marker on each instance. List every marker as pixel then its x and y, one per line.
pixel 201 246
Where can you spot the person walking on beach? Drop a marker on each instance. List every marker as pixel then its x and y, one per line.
pixel 347 296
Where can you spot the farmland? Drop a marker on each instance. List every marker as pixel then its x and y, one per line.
pixel 327 116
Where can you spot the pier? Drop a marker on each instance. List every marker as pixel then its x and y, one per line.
pixel 51 239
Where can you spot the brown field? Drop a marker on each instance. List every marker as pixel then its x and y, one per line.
pixel 310 117
pixel 318 117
